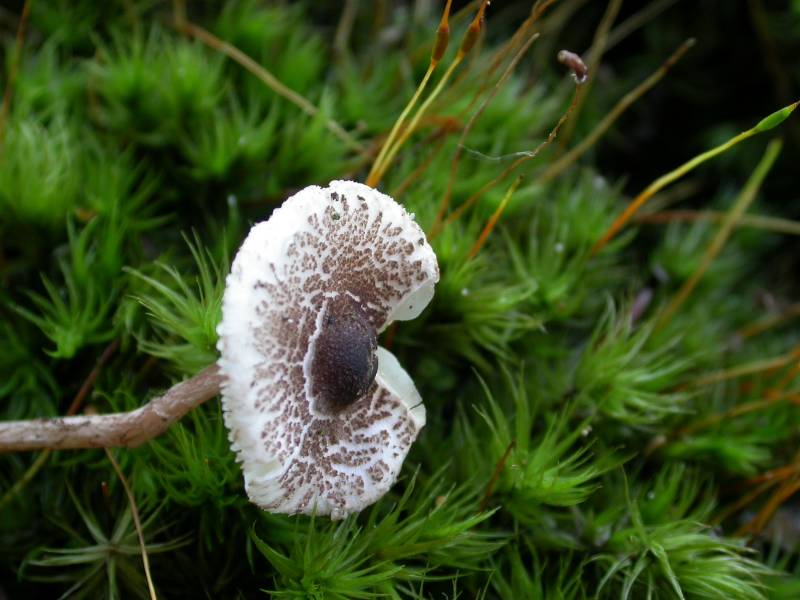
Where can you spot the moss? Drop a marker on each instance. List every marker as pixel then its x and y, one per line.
pixel 578 445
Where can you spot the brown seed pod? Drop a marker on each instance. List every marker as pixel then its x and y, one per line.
pixel 575 63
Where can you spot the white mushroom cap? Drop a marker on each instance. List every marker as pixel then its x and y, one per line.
pixel 307 293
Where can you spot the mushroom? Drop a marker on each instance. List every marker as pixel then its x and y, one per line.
pixel 320 416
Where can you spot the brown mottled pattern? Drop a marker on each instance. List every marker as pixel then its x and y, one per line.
pixel 344 250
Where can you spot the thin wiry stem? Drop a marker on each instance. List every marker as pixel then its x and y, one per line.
pixel 272 82
pixel 439 137
pixel 739 207
pixel 439 47
pixel 766 323
pixel 781 495
pixel 768 223
pixel 119 429
pixel 742 502
pixel 635 21
pixel 484 235
pixel 765 124
pixel 467 43
pixel 526 156
pixel 498 470
pixel 345 27
pixel 750 368
pixel 468 127
pixel 558 166
pixel 137 523
pixel 518 38
pixel 769 400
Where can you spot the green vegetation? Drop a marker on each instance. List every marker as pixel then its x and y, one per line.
pixel 603 422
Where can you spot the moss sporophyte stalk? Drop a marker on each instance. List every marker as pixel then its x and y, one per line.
pixel 547 349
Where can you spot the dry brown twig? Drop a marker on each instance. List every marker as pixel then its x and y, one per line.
pixel 118 429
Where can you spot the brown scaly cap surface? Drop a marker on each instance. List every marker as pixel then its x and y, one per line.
pixel 320 417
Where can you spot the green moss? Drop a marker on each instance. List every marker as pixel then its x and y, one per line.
pixel 575 446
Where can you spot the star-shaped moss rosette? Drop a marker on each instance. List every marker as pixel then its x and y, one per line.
pixel 320 417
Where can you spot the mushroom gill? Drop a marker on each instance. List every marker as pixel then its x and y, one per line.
pixel 320 417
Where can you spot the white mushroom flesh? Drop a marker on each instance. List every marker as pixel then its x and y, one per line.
pixel 345 255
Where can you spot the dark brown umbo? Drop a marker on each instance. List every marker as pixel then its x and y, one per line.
pixel 344 360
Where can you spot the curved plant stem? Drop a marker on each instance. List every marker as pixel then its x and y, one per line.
pixel 344 28
pixel 635 21
pixel 742 502
pixel 781 495
pixel 136 522
pixel 739 410
pixel 750 368
pixel 493 219
pixel 439 47
pixel 498 470
pixel 119 429
pixel 393 147
pixel 765 124
pixel 380 169
pixel 526 156
pixel 272 82
pixel 439 138
pixel 766 323
pixel 739 207
pixel 373 178
pixel 21 483
pixel 520 35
